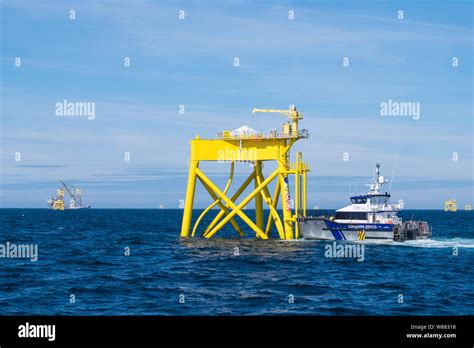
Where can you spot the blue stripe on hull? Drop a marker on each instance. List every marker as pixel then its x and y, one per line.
pixel 338 227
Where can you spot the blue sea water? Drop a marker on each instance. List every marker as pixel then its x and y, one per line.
pixel 82 253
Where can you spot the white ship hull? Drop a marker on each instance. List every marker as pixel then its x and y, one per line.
pixel 325 229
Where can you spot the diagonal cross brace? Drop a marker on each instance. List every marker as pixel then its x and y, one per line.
pixel 217 201
pixel 233 199
pixel 231 204
pixel 237 210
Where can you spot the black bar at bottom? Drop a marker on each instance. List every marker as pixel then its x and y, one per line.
pixel 133 330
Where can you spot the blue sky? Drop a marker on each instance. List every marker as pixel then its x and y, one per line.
pixel 190 62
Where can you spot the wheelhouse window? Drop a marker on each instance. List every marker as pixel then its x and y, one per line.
pixel 358 200
pixel 347 215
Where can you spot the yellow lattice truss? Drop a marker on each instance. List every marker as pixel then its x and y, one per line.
pixel 257 150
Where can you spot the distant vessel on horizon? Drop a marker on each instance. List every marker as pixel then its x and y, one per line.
pixel 75 194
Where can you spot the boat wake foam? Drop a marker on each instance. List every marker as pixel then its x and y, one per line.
pixel 438 243
pixel 419 243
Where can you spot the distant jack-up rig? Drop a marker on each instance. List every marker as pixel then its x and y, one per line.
pixel 75 195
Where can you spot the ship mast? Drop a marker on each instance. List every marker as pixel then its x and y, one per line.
pixel 378 182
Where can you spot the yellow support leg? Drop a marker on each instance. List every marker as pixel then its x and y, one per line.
pixel 276 196
pixel 305 199
pixel 188 203
pixel 258 198
pixel 265 193
pixel 287 216
pixel 297 196
pixel 301 184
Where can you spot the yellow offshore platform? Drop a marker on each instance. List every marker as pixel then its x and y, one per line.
pixel 450 205
pixel 256 148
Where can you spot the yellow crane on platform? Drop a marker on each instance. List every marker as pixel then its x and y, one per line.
pixel 289 128
pixel 231 147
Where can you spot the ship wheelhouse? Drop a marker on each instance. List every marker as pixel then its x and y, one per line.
pixel 359 199
pixel 373 207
